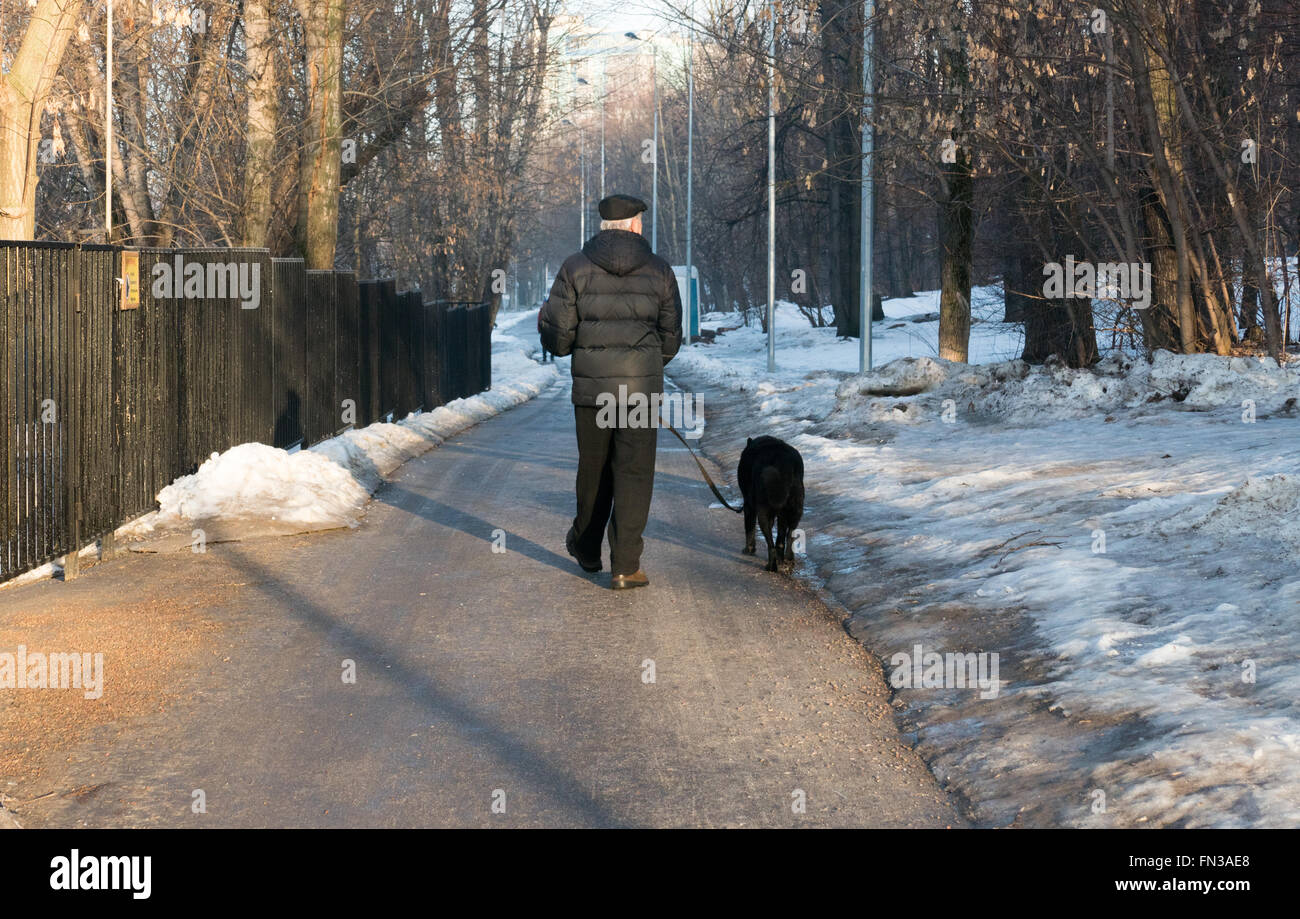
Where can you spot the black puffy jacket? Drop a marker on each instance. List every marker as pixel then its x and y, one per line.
pixel 615 307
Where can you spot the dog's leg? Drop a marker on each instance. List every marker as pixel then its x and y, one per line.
pixel 791 523
pixel 782 538
pixel 765 524
pixel 750 517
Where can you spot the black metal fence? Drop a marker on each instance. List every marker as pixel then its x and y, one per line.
pixel 104 406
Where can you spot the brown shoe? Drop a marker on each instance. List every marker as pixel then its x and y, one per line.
pixel 628 581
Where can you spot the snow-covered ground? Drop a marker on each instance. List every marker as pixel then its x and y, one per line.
pixel 1126 539
pixel 256 490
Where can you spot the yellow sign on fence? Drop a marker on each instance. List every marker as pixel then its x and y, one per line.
pixel 130 280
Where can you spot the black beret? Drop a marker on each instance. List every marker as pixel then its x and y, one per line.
pixel 620 207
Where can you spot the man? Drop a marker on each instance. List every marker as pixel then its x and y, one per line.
pixel 615 307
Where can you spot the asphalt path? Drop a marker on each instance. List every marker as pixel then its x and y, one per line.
pixel 496 684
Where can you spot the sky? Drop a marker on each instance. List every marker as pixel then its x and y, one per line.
pixel 622 16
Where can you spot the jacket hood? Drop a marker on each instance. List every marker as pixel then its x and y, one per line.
pixel 619 252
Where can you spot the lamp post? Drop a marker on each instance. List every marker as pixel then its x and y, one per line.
pixel 583 82
pixel 582 180
pixel 603 63
pixel 604 80
pixel 604 92
pixel 654 159
pixel 654 156
pixel 582 188
pixel 771 189
pixel 690 173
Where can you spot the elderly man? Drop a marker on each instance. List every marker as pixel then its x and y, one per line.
pixel 615 307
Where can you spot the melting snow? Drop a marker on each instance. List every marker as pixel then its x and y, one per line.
pixel 1126 537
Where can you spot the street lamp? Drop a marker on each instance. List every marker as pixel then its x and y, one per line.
pixel 690 173
pixel 604 55
pixel 771 189
pixel 583 82
pixel 603 63
pixel 583 162
pixel 654 159
pixel 582 180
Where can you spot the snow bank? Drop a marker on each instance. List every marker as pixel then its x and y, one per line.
pixel 1124 537
pixel 305 489
pixel 1265 508
pixel 817 372
pixel 1015 392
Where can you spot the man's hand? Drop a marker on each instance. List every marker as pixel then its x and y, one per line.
pixel 670 319
pixel 558 320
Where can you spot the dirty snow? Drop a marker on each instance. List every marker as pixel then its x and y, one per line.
pixel 1126 538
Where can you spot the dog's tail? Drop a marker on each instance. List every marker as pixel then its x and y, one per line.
pixel 776 490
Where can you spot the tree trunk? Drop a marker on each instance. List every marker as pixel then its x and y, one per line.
pixel 1160 319
pixel 23 93
pixel 841 62
pixel 1061 327
pixel 956 222
pixel 130 160
pixel 956 237
pixel 321 161
pixel 263 119
pixel 897 274
pixel 1155 99
pixel 1252 331
pixel 1016 286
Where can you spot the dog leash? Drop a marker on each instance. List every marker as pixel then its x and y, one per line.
pixel 704 472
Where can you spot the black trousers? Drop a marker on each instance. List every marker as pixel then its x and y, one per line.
pixel 616 476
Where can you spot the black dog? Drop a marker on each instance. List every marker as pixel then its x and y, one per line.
pixel 771 481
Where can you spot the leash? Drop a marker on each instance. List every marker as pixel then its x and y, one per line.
pixel 704 472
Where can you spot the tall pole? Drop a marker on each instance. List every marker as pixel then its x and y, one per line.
pixel 654 182
pixel 771 189
pixel 690 174
pixel 108 131
pixel 582 188
pixel 867 255
pixel 603 67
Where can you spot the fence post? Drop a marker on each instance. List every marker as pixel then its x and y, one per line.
pixel 389 340
pixel 72 422
pixel 368 349
pixel 322 325
pixel 289 335
pixel 7 414
pixel 347 349
pixel 485 373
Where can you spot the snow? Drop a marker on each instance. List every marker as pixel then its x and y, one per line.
pixel 1124 537
pixel 257 489
pixel 307 489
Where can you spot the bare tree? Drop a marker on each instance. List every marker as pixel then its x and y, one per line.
pixel 24 91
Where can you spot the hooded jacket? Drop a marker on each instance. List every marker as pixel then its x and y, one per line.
pixel 615 307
